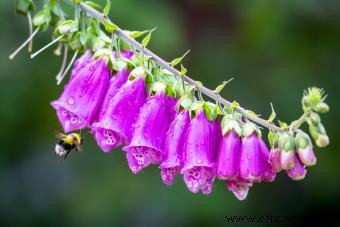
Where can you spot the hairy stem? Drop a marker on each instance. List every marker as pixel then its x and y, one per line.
pixel 296 124
pixel 210 93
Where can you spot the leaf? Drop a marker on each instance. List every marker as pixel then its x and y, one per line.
pixel 93 5
pixel 272 115
pixel 178 60
pixel 183 71
pixel 136 34
pixel 147 38
pixel 107 8
pixel 271 138
pixel 220 87
pixel 109 26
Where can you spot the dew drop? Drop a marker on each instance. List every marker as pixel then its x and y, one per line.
pixel 122 90
pixel 71 101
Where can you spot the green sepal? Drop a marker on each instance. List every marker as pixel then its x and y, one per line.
pixel 228 123
pixel 186 101
pixel 210 111
pixel 109 26
pixel 66 27
pixel 302 140
pixel 273 139
pixel 249 128
pixel 42 18
pixel 286 142
pixel 24 6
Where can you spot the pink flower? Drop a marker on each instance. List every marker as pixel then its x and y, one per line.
pixel 173 147
pixel 82 96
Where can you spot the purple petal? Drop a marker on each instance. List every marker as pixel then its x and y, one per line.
pixel 229 156
pixel 298 172
pixel 82 96
pixel 125 54
pixel 239 189
pixel 275 159
pixel 268 174
pixel 146 146
pixel 80 63
pixel 251 167
pixel 199 166
pixel 288 159
pixel 307 155
pixel 120 114
pixel 173 147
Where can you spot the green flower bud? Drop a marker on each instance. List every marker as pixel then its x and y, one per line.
pixel 319 134
pixel 24 6
pixel 287 146
pixel 321 108
pixel 315 118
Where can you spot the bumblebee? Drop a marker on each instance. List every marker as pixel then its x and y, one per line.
pixel 67 144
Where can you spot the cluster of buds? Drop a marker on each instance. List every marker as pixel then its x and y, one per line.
pixel 145 106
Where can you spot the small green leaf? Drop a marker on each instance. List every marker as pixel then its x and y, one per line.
pixel 136 34
pixel 183 71
pixel 107 8
pixel 272 115
pixel 170 91
pixel 179 60
pixel 220 87
pixel 109 26
pixel 93 5
pixel 147 38
pixel 271 138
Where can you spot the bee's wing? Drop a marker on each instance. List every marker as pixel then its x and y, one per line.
pixel 78 147
pixel 59 135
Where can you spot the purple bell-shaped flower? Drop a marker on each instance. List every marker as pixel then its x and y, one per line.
pixel 173 147
pixel 120 110
pixel 198 159
pixel 81 62
pixel 146 146
pixel 82 96
pixel 254 166
pixel 229 153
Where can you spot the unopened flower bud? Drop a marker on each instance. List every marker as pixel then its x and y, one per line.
pixel 319 135
pixel 315 118
pixel 305 149
pixel 275 159
pixel 321 107
pixel 298 172
pixel 287 146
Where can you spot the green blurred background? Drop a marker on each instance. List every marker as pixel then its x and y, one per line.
pixel 273 49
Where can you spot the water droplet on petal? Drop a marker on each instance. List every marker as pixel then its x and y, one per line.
pixel 71 101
